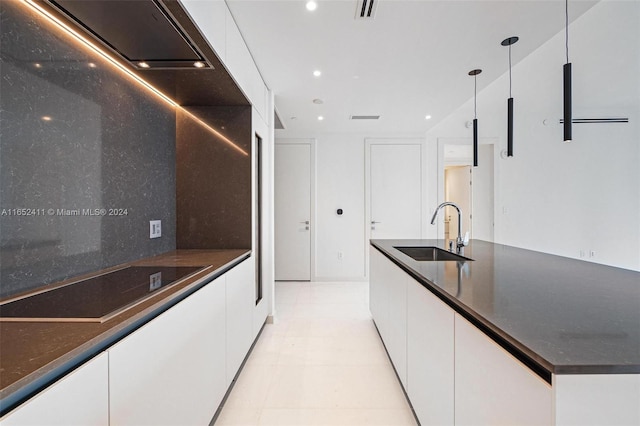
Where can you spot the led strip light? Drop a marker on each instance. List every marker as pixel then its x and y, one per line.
pixel 78 36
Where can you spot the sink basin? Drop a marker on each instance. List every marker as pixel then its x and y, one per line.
pixel 431 254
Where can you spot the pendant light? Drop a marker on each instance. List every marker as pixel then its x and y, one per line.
pixel 567 80
pixel 508 42
pixel 475 73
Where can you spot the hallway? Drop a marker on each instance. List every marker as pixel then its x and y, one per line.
pixel 321 363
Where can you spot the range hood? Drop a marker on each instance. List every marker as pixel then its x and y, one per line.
pixel 142 32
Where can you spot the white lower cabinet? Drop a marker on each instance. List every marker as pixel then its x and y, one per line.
pixel 240 302
pixel 378 301
pixel 79 399
pixel 597 399
pixel 171 371
pixel 494 388
pixel 452 372
pixel 430 356
pixel 389 299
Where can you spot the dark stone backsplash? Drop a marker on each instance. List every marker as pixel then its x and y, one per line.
pixel 106 144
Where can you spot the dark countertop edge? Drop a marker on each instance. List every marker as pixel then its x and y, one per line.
pixel 524 354
pixel 25 388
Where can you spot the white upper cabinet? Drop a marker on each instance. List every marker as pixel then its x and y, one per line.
pixel 218 26
pixel 240 64
pixel 210 17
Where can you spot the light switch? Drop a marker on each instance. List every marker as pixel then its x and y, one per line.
pixel 155 228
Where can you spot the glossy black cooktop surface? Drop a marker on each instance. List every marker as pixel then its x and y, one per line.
pixel 95 299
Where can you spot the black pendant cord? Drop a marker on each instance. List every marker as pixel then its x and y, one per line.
pixel 567 82
pixel 475 96
pixel 510 95
pixel 566 28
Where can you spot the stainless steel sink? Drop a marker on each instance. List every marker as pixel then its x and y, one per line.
pixel 431 254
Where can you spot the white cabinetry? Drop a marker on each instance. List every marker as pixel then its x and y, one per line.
pixel 430 346
pixel 388 305
pixel 378 304
pixel 597 399
pixel 452 372
pixel 240 303
pixel 172 370
pixel 210 17
pixel 216 23
pixel 494 388
pixel 79 399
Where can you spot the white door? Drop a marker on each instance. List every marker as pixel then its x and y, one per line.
pixel 395 190
pixel 292 212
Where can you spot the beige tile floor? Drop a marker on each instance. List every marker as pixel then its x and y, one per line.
pixel 321 363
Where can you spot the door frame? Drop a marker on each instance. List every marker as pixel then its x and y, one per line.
pixel 495 141
pixel 368 142
pixel 312 214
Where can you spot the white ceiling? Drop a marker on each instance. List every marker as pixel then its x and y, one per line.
pixel 411 60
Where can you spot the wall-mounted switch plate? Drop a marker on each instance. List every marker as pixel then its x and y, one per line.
pixel 155 228
pixel 155 281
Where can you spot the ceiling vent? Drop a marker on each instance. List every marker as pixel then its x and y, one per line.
pixel 364 117
pixel 366 9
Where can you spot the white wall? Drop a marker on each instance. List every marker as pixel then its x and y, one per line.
pixel 340 183
pixel 578 197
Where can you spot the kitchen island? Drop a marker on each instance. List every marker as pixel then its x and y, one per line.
pixel 563 324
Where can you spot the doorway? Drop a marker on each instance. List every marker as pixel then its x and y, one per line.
pixel 471 188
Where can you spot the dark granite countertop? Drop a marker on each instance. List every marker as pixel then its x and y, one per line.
pixel 35 354
pixel 567 316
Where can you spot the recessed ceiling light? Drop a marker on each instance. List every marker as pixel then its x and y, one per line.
pixel 143 65
pixel 320 118
pixel 427 117
pixel 317 73
pixel 294 118
pixel 318 101
pixel 92 65
pixel 46 118
pixel 37 65
pixel 198 64
pixel 312 5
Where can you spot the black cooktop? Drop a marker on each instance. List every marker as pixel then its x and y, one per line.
pixel 95 299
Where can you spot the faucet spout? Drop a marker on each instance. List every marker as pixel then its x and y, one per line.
pixel 459 240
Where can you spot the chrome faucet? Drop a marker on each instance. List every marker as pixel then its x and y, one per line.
pixel 460 242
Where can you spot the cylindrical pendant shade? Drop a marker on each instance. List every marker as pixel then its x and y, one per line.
pixel 567 102
pixel 510 127
pixel 475 142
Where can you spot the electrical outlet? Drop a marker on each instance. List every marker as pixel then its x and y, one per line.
pixel 592 253
pixel 340 255
pixel 155 281
pixel 582 254
pixel 155 228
